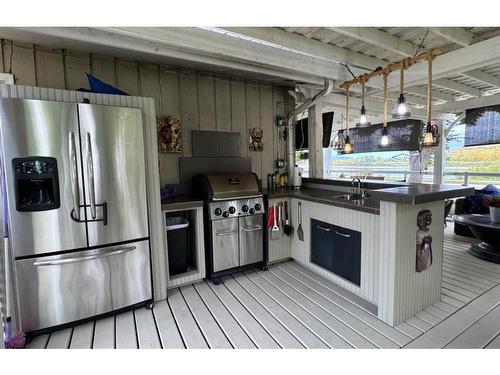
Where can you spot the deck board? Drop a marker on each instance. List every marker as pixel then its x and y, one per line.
pixel 147 335
pixel 280 334
pixel 287 315
pixel 259 336
pixel 126 335
pixel 291 306
pixel 83 336
pixel 191 333
pixel 211 331
pixel 60 339
pixel 233 331
pixel 170 336
pixel 38 342
pixel 320 306
pixel 104 333
pixel 307 319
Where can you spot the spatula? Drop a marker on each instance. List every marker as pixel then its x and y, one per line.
pixel 300 231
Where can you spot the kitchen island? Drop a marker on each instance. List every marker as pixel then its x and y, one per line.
pixel 393 240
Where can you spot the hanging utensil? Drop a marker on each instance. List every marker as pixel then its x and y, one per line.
pixel 280 218
pixel 300 231
pixel 288 229
pixel 275 231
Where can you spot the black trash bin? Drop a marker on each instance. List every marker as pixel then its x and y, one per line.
pixel 178 244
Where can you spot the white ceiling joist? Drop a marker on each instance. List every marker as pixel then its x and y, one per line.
pixel 378 38
pixel 456 86
pixel 435 94
pixel 462 105
pixel 483 77
pixel 309 46
pixel 462 60
pixel 456 35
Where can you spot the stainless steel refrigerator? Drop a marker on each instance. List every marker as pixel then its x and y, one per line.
pixel 74 179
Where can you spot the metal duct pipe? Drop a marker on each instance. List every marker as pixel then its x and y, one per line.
pixel 291 117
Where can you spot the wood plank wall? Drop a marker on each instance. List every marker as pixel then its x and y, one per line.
pixel 200 100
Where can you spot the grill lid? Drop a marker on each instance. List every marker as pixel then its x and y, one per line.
pixel 222 186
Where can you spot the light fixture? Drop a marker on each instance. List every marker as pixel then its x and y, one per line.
pixel 385 140
pixel 363 119
pixel 431 135
pixel 401 109
pixel 348 147
pixel 338 142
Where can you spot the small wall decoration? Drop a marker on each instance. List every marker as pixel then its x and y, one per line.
pixel 255 143
pixel 424 241
pixel 169 134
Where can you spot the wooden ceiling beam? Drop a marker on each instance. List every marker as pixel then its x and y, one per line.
pixel 481 76
pixel 379 38
pixel 456 35
pixel 458 87
pixel 308 46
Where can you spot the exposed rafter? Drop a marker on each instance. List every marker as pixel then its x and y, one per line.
pixel 378 38
pixel 462 105
pixel 435 94
pixel 459 87
pixel 308 46
pixel 456 35
pixel 483 77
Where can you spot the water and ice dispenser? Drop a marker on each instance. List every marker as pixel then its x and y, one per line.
pixel 36 183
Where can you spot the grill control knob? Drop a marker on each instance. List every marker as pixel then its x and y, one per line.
pixel 252 211
pixel 225 214
pixel 258 207
pixel 218 211
pixel 244 208
pixel 232 210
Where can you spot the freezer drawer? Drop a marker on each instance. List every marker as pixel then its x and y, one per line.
pixel 251 240
pixel 225 244
pixel 60 289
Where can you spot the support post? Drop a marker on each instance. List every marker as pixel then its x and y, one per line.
pixel 315 138
pixel 439 152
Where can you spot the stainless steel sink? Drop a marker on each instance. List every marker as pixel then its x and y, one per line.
pixel 350 197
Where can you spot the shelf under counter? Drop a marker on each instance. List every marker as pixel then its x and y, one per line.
pixel 193 209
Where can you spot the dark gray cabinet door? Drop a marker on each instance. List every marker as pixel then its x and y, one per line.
pixel 321 244
pixel 346 255
pixel 336 249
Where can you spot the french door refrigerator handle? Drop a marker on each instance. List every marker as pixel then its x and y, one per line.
pixel 90 173
pixel 84 258
pixel 74 177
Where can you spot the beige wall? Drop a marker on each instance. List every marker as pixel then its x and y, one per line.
pixel 201 101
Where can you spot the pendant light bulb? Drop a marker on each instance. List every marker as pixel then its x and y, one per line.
pixel 402 109
pixel 429 135
pixel 384 140
pixel 363 118
pixel 348 149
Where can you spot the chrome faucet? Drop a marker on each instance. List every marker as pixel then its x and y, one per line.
pixel 359 191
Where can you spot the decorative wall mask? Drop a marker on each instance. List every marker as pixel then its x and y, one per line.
pixel 424 241
pixel 169 134
pixel 255 142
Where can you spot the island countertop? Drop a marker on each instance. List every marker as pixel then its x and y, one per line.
pixel 420 193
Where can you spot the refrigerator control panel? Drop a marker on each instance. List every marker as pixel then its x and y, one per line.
pixel 36 183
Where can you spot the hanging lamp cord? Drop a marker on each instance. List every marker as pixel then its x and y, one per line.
pixel 429 90
pixel 402 77
pixel 385 99
pixel 347 109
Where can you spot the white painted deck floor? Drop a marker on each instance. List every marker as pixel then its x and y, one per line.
pixel 291 307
